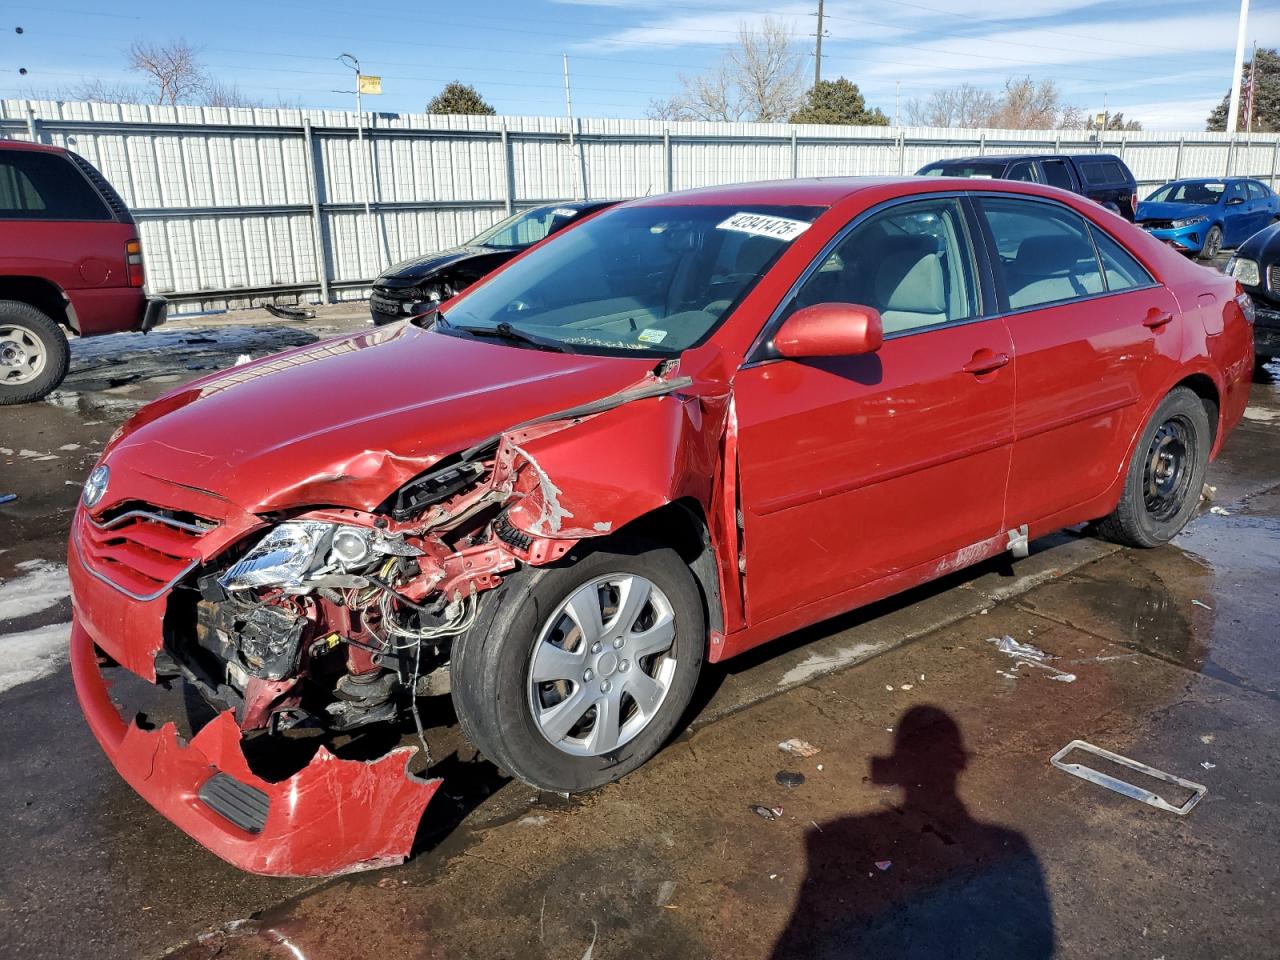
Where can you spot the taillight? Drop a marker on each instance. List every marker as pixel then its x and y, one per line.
pixel 1133 203
pixel 133 259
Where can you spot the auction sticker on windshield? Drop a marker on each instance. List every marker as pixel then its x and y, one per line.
pixel 760 225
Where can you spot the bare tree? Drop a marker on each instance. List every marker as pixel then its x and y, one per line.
pixel 173 69
pixel 97 90
pixel 1024 104
pixel 760 78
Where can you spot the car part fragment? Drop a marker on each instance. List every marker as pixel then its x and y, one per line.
pixel 1198 790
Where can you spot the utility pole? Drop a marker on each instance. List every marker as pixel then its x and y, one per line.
pixel 1233 109
pixel 817 53
pixel 573 150
pixel 349 60
pixel 897 100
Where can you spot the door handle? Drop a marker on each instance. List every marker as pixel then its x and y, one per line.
pixel 1156 318
pixel 985 361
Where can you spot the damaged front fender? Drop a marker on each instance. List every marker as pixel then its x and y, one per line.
pixel 334 816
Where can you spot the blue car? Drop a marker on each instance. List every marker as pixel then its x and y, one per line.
pixel 1201 217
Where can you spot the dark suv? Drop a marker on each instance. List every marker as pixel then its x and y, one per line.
pixel 69 259
pixel 1101 177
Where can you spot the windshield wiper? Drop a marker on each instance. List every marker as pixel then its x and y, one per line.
pixel 505 331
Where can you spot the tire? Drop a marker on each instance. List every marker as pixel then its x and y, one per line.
pixel 525 620
pixel 1212 244
pixel 1165 474
pixel 34 353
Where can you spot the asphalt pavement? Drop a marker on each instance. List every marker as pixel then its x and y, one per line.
pixel 932 779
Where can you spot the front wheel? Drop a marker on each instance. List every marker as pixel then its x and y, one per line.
pixel 1165 476
pixel 575 675
pixel 1212 244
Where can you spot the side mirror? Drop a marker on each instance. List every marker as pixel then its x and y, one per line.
pixel 1233 201
pixel 830 330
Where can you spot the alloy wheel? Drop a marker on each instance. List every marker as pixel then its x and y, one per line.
pixel 602 664
pixel 22 355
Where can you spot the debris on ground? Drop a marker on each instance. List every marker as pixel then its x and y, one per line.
pixel 1219 511
pixel 906 686
pixel 1207 492
pixel 1029 654
pixel 8 497
pixel 1124 788
pixel 1207 765
pixel 883 865
pixel 1201 603
pixel 288 313
pixel 798 748
pixel 766 813
pixel 789 778
pixel 242 359
pixel 666 890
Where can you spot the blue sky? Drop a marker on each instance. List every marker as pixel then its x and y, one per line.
pixel 1163 63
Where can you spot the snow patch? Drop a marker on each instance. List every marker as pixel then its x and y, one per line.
pixel 32 654
pixel 41 586
pixel 818 664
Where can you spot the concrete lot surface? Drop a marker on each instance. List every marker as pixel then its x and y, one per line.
pixel 930 823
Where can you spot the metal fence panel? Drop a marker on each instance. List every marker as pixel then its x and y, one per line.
pixel 236 206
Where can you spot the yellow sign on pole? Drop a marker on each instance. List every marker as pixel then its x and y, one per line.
pixel 1099 120
pixel 369 84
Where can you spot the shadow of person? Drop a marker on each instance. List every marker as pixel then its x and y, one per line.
pixel 954 887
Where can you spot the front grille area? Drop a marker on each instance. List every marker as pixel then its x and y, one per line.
pixel 388 301
pixel 1157 224
pixel 1273 277
pixel 143 550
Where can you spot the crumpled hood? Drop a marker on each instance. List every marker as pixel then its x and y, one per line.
pixel 1173 211
pixel 420 268
pixel 345 422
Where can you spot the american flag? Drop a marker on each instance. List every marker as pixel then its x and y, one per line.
pixel 1246 96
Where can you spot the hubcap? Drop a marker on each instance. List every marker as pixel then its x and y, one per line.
pixel 22 355
pixel 602 664
pixel 1167 473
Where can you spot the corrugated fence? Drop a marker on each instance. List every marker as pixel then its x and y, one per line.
pixel 238 206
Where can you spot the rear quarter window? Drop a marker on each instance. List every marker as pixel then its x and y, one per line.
pixel 1102 172
pixel 46 186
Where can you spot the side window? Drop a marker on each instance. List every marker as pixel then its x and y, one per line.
pixel 1121 270
pixel 1056 174
pixel 913 262
pixel 1044 252
pixel 1236 192
pixel 45 186
pixel 1257 191
pixel 1023 170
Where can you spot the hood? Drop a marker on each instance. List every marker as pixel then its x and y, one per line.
pixel 1263 246
pixel 345 422
pixel 1173 211
pixel 420 268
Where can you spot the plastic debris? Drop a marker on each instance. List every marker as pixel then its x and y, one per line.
pixel 766 813
pixel 883 865
pixel 1219 511
pixel 889 687
pixel 1201 603
pixel 1207 492
pixel 798 748
pixel 789 778
pixel 819 768
pixel 1029 654
pixel 1207 765
pixel 906 686
pixel 281 312
pixel 8 497
pixel 666 890
pixel 242 359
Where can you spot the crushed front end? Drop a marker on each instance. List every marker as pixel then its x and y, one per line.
pixel 327 621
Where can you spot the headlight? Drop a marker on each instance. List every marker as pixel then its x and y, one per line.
pixel 293 552
pixel 1244 270
pixel 1187 222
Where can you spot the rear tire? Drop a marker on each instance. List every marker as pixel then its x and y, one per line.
pixel 1212 244
pixel 511 718
pixel 34 354
pixel 1165 475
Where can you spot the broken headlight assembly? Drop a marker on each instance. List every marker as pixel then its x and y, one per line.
pixel 299 555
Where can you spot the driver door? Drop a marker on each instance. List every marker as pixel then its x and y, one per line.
pixel 860 472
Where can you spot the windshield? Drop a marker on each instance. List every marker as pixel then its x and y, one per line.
pixel 1199 192
pixel 978 169
pixel 656 279
pixel 524 229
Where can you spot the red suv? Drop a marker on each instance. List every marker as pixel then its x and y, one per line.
pixel 667 434
pixel 69 257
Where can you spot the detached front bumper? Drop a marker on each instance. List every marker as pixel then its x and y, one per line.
pixel 335 816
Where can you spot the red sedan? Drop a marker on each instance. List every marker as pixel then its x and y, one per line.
pixel 673 432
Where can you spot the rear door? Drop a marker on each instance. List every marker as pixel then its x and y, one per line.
pixel 57 226
pixel 1094 335
pixel 857 469
pixel 1058 173
pixel 1237 214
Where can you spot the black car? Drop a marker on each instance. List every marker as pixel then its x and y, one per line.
pixel 415 286
pixel 1101 177
pixel 1256 265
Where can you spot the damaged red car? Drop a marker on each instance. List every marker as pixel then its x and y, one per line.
pixel 683 427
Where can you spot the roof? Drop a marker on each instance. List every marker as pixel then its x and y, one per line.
pixel 24 145
pixel 1010 157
